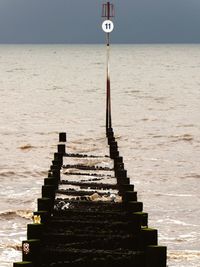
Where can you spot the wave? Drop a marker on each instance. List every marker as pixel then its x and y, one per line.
pixel 17 247
pixel 186 125
pixel 26 147
pixel 21 174
pixel 7 173
pixel 191 175
pixel 184 137
pixel 183 254
pixel 25 214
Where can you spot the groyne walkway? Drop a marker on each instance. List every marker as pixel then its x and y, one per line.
pixel 89 215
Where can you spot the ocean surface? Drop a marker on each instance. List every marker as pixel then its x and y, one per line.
pixel 46 89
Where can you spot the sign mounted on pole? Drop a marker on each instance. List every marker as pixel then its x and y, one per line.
pixel 108 26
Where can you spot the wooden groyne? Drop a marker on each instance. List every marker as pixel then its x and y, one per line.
pixel 89 215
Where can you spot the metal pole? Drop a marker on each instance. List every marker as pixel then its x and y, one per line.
pixel 108 73
pixel 108 12
pixel 109 122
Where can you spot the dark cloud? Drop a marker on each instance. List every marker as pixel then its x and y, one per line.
pixel 79 21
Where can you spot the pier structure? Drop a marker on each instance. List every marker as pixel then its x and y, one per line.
pixel 89 214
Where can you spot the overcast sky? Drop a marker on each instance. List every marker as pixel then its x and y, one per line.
pixel 79 21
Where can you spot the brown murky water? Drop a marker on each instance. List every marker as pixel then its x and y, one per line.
pixel 155 101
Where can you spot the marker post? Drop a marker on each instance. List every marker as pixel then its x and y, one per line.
pixel 108 26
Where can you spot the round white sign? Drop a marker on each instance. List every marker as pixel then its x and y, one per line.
pixel 107 26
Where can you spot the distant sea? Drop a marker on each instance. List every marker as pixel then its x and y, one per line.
pixel 45 89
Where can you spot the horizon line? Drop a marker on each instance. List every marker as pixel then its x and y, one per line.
pixel 114 43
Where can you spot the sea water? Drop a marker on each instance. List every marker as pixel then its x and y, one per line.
pixel 46 89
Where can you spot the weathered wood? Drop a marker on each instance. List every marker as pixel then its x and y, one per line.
pixel 92 218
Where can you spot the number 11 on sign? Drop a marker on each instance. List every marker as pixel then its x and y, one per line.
pixel 107 26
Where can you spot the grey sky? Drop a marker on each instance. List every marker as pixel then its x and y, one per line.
pixel 79 21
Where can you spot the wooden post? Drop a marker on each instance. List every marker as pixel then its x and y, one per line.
pixel 156 256
pixel 121 173
pixel 49 191
pixel 62 137
pixel 51 181
pixel 58 157
pixel 148 236
pixel 61 149
pixel 34 230
pixel 23 264
pixel 45 204
pixel 44 216
pixel 129 196
pixel 31 251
